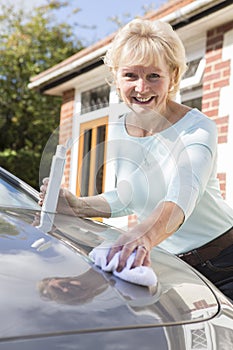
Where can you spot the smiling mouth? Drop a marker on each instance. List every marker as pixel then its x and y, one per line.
pixel 143 100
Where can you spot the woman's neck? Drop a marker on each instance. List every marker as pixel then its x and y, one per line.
pixel 148 123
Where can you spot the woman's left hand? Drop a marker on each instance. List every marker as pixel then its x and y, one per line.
pixel 127 244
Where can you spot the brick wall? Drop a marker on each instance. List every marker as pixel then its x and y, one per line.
pixel 66 123
pixel 216 76
pixel 222 183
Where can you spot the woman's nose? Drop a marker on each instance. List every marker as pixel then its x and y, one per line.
pixel 141 85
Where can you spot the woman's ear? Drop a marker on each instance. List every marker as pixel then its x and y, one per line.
pixel 171 85
pixel 175 76
pixel 118 92
pixel 116 81
pixel 173 79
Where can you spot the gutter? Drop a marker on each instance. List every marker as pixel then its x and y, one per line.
pixel 218 6
pixel 70 67
pixel 184 11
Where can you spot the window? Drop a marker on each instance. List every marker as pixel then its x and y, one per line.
pixel 194 74
pixel 192 68
pixel 191 84
pixel 91 162
pixel 193 98
pixel 94 99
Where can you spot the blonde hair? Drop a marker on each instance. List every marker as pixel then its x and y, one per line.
pixel 143 42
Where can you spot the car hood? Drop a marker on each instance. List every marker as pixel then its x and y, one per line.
pixel 50 286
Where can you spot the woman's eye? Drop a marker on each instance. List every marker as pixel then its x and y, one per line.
pixel 154 76
pixel 129 75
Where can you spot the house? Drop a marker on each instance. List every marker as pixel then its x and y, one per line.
pixel 89 104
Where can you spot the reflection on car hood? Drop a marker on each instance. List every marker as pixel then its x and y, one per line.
pixel 50 285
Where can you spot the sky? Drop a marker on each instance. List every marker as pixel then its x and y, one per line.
pixel 96 14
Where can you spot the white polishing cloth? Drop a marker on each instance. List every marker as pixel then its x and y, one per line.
pixel 142 275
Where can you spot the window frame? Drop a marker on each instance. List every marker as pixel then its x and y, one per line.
pixel 85 126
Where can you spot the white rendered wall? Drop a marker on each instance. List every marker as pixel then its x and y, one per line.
pixel 225 162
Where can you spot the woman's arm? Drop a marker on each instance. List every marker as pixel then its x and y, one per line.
pixel 68 203
pixel 165 219
pixel 185 189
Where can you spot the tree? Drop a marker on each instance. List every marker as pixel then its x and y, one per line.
pixel 29 43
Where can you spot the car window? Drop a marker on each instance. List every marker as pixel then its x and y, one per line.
pixel 14 196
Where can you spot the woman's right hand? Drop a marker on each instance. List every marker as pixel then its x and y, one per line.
pixel 67 202
pixel 43 190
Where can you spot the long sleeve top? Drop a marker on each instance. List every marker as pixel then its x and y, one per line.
pixel 179 165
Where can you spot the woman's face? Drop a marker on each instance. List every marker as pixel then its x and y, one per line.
pixel 144 87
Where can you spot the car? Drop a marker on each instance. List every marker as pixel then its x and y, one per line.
pixel 54 297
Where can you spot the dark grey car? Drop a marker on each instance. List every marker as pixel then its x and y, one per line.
pixel 53 297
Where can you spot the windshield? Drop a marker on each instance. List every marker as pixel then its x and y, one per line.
pixel 12 195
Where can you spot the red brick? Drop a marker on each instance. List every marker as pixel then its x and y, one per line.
pixel 205 105
pixel 221 176
pixel 226 73
pixel 211 113
pixel 222 120
pixel 208 69
pixel 67 111
pixel 68 95
pixel 222 183
pixel 214 103
pixel 213 76
pixel 210 95
pixel 220 84
pixel 214 39
pixel 224 129
pixel 222 139
pixel 206 86
pixel 211 32
pixel 210 50
pixel 225 27
pixel 221 65
pixel 214 57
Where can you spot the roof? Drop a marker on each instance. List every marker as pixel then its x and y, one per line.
pixel 178 13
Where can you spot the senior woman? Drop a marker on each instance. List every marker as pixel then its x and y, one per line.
pixel 165 158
